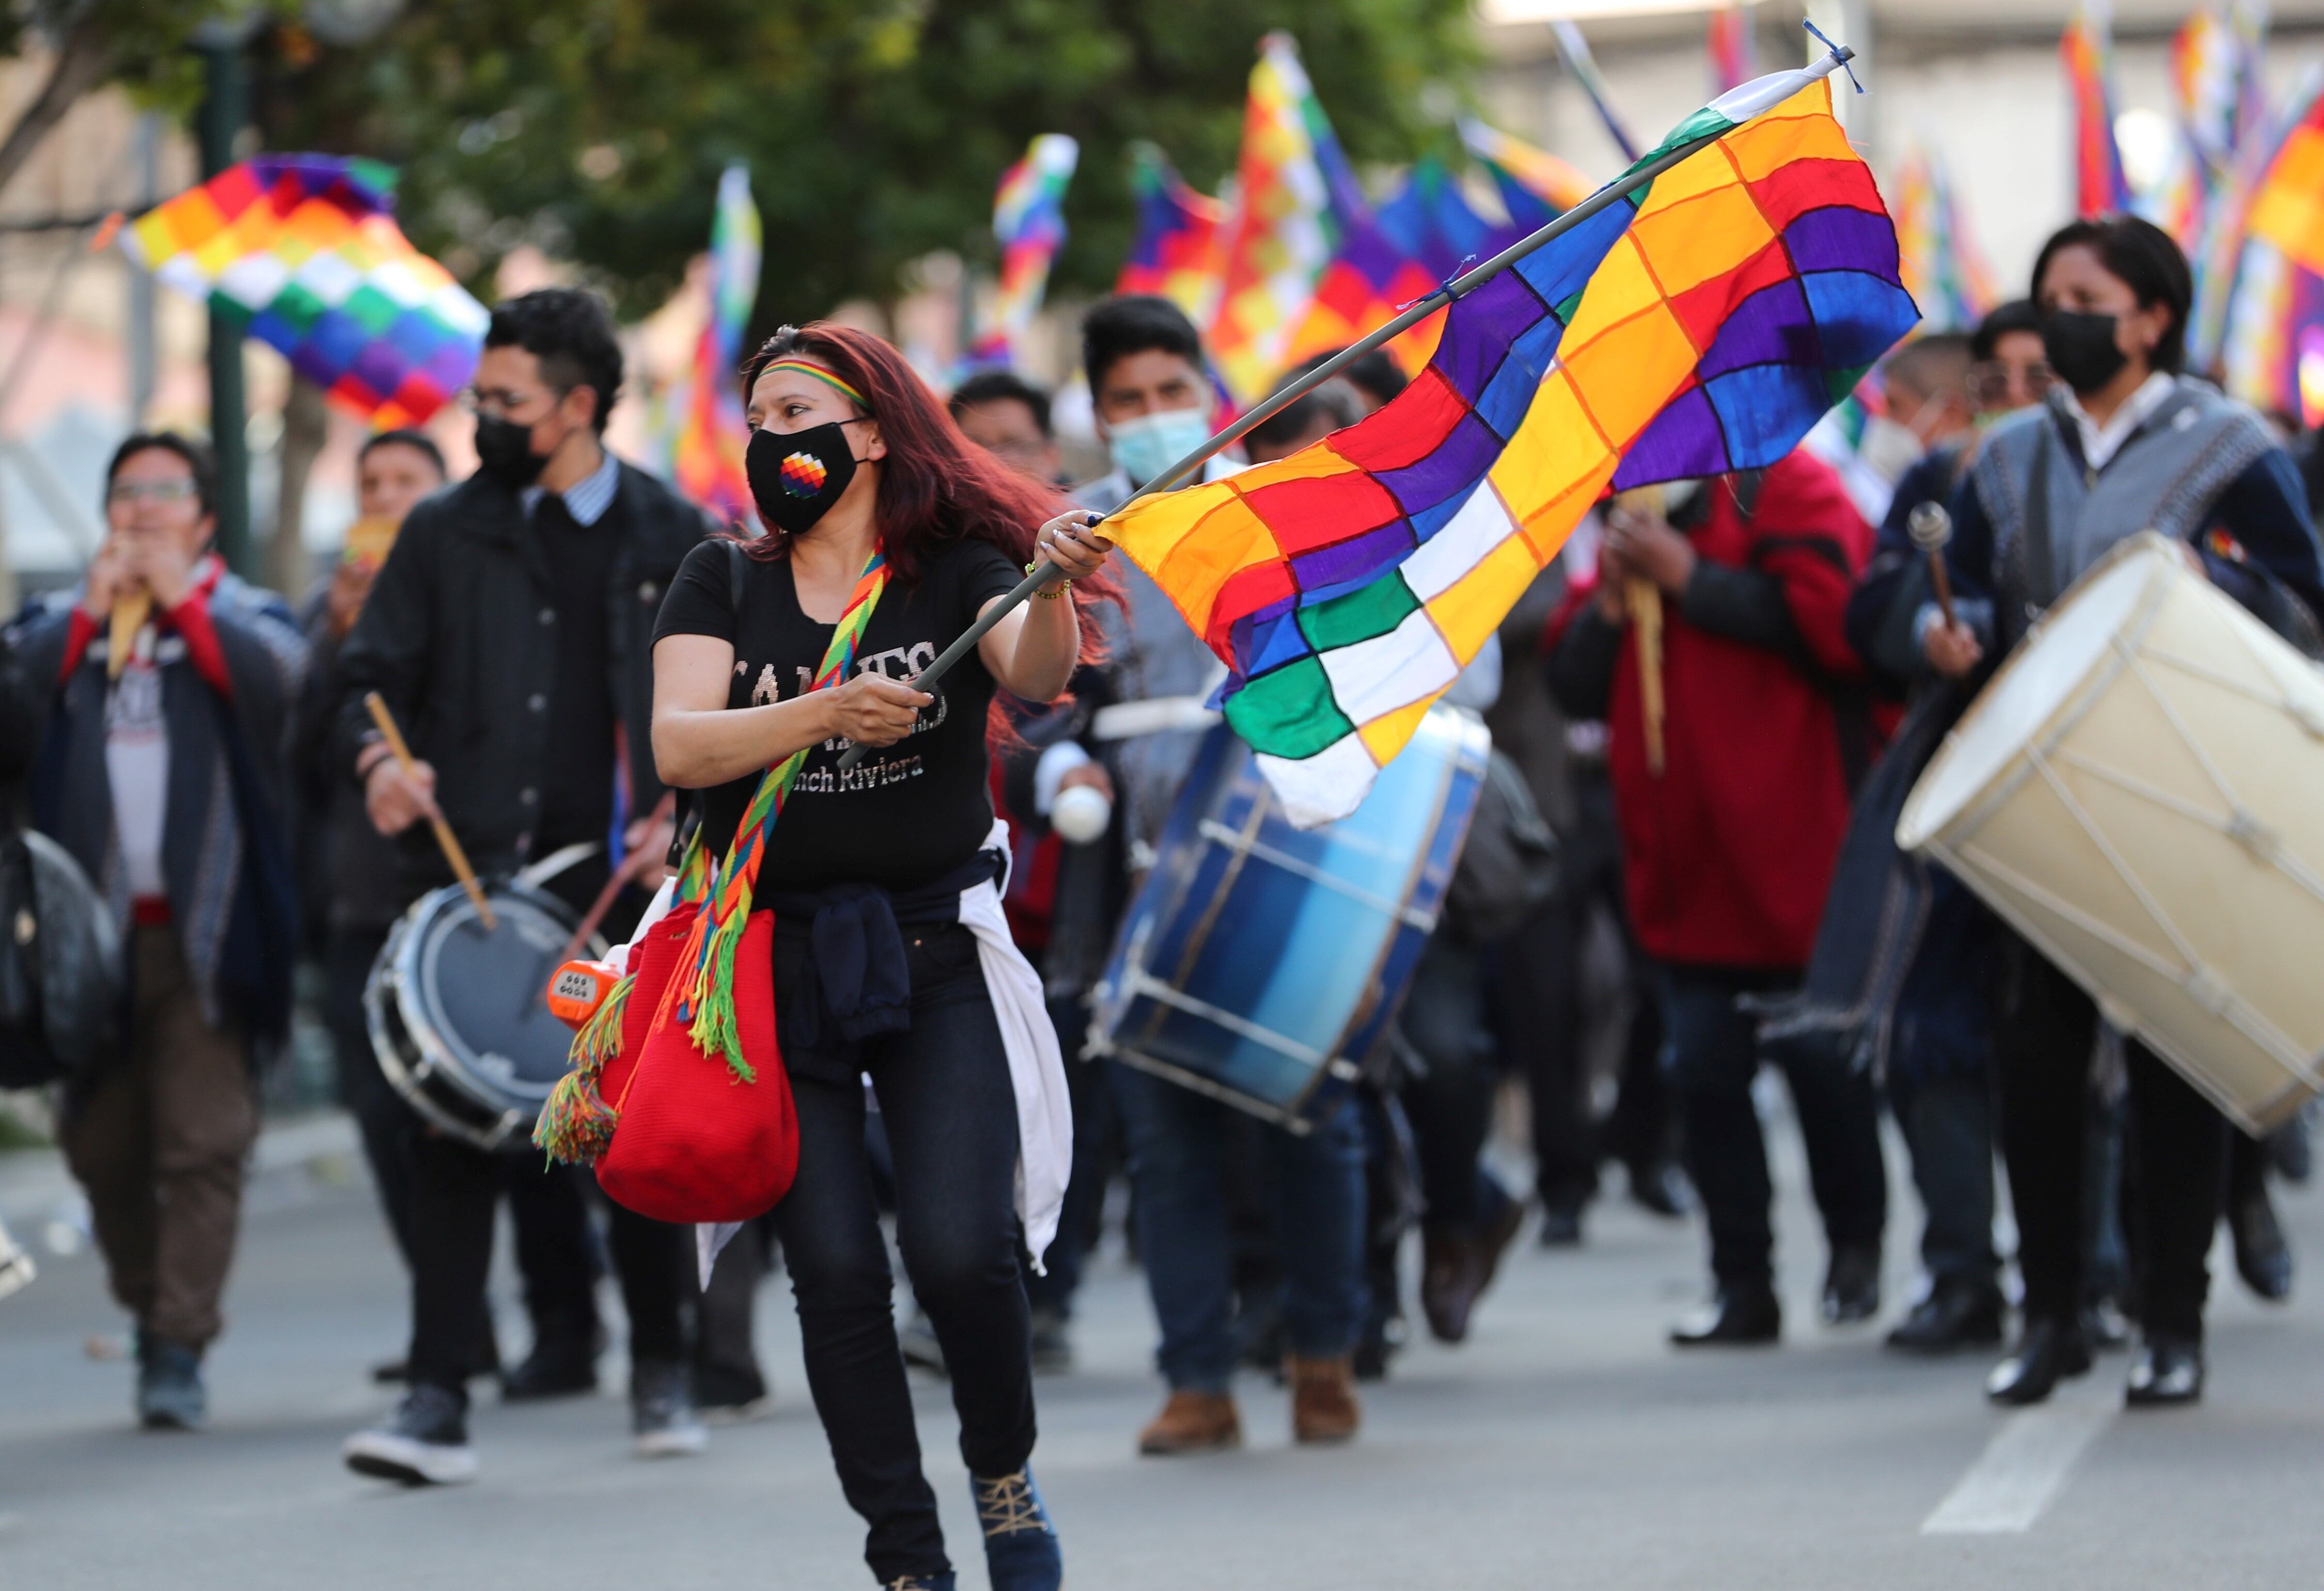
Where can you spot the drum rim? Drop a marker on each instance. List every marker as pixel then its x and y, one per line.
pixel 390 978
pixel 1914 832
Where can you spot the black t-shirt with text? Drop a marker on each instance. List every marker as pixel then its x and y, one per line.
pixel 907 814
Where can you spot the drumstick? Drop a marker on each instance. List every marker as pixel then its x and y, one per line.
pixel 1645 603
pixel 453 854
pixel 1932 529
pixel 130 609
pixel 631 869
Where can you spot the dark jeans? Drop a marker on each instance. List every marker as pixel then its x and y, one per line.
pixel 454 1188
pixel 1451 1104
pixel 386 1124
pixel 1053 1291
pixel 2175 1145
pixel 1948 1126
pixel 951 1120
pixel 1536 988
pixel 1315 1188
pixel 1713 1056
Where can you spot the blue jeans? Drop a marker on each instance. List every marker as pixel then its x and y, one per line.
pixel 1316 1198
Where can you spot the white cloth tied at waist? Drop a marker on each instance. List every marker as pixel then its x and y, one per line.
pixel 1036 1071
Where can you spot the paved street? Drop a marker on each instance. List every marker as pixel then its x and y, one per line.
pixel 1563 1445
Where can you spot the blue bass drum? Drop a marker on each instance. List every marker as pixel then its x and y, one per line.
pixel 1260 963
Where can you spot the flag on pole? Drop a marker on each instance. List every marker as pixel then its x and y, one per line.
pixel 1029 221
pixel 304 252
pixel 2087 49
pixel 1734 57
pixel 1535 186
pixel 1176 252
pixel 1584 65
pixel 1299 201
pixel 1942 267
pixel 706 453
pixel 2229 238
pixel 2257 343
pixel 2216 83
pixel 2288 210
pixel 1696 327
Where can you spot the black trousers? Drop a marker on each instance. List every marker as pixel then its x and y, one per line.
pixel 456 1190
pixel 1714 1055
pixel 1451 1104
pixel 1536 986
pixel 2175 1147
pixel 951 1120
pixel 385 1122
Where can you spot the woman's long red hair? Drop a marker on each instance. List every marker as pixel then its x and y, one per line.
pixel 935 485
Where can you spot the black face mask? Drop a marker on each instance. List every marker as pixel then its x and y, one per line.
pixel 2081 348
pixel 797 476
pixel 504 452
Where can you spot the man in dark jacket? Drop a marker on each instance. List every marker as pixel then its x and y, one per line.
pixel 509 633
pixel 160 769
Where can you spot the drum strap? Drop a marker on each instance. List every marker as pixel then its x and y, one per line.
pixel 2040 564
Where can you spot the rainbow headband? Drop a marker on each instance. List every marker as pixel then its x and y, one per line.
pixel 821 375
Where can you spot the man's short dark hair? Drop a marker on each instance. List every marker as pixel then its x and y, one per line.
pixel 2018 315
pixel 1377 375
pixel 1135 323
pixel 1332 400
pixel 197 459
pixel 1001 386
pixel 571 333
pixel 2145 259
pixel 419 442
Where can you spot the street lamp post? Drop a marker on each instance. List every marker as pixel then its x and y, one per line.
pixel 225 111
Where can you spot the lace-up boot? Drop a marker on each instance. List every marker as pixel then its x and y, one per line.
pixel 1020 1544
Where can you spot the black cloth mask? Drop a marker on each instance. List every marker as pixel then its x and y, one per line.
pixel 2081 348
pixel 797 476
pixel 504 452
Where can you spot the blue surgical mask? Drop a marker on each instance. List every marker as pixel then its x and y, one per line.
pixel 1145 447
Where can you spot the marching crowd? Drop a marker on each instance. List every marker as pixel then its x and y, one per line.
pixel 1674 880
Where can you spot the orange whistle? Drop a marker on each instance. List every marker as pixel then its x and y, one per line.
pixel 577 989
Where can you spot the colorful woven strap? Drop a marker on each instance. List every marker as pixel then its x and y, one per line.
pixel 703 989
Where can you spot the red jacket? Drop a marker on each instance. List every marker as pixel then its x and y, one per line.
pixel 1729 850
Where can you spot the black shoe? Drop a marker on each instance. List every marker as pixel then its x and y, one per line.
pixel 2289 1153
pixel 1053 1343
pixel 1955 1315
pixel 391 1372
pixel 426 1443
pixel 2047 1351
pixel 1661 1187
pixel 1851 1286
pixel 556 1368
pixel 1560 1228
pixel 1383 1337
pixel 2105 1328
pixel 2167 1372
pixel 729 1394
pixel 170 1392
pixel 2263 1257
pixel 1736 1318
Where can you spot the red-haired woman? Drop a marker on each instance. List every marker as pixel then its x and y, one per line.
pixel 891 957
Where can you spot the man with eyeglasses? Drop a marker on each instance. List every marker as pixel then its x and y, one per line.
pixel 509 633
pixel 160 769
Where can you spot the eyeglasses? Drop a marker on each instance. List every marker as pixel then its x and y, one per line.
pixel 128 494
pixel 500 400
pixel 1995 385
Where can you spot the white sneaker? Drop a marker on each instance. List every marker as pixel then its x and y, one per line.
pixel 426 1444
pixel 661 1412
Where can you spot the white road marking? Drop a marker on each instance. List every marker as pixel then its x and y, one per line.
pixel 2022 1470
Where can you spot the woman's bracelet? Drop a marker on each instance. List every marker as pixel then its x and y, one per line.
pixel 1051 592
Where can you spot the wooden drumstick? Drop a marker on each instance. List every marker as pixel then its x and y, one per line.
pixel 1644 599
pixel 453 854
pixel 1931 530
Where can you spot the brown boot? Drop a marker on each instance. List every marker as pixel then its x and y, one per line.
pixel 1323 1406
pixel 1193 1422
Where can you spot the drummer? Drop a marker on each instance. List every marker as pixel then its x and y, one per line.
pixel 2123 442
pixel 850 455
pixel 507 633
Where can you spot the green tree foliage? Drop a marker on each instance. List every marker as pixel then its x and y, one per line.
pixel 874 129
